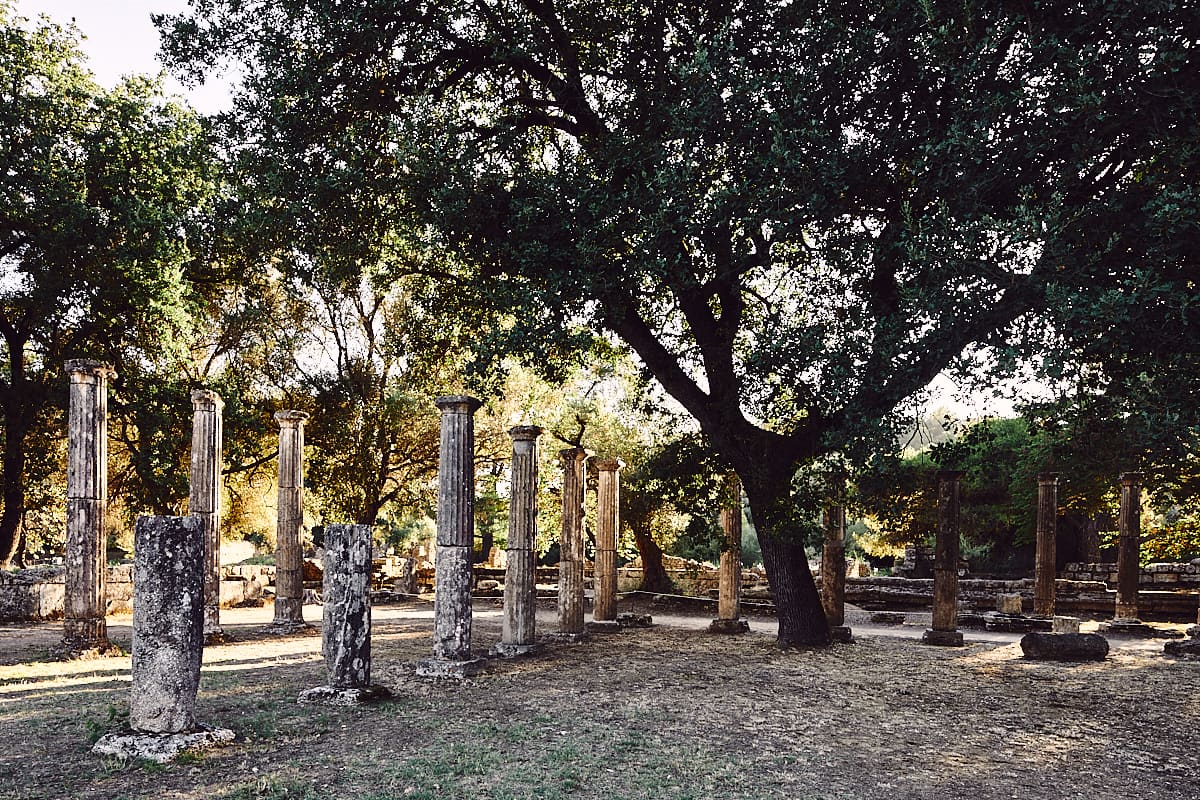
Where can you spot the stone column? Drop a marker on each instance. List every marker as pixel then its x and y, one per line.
pixel 1129 546
pixel 945 564
pixel 168 643
pixel 289 558
pixel 204 501
pixel 85 601
pixel 519 635
pixel 729 580
pixel 833 561
pixel 570 557
pixel 346 619
pixel 608 526
pixel 1047 532
pixel 452 655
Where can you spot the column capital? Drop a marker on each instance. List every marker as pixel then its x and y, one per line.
pixel 291 418
pixel 573 455
pixel 609 465
pixel 1048 477
pixel 457 404
pixel 206 397
pixel 80 368
pixel 525 433
pixel 1131 478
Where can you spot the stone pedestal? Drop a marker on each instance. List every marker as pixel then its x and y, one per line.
pixel 346 619
pixel 84 629
pixel 1128 547
pixel 729 579
pixel 833 562
pixel 570 564
pixel 452 655
pixel 519 629
pixel 945 564
pixel 168 643
pixel 204 499
pixel 608 526
pixel 289 557
pixel 1047 533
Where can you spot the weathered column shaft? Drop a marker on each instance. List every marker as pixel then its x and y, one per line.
pixel 85 601
pixel 204 500
pixel 833 565
pixel 1047 533
pixel 1129 546
pixel 455 528
pixel 520 585
pixel 729 579
pixel 570 564
pixel 289 557
pixel 608 526
pixel 346 594
pixel 946 552
pixel 168 623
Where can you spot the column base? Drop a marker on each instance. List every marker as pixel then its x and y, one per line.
pixel 160 748
pixel 841 634
pixel 76 650
pixel 332 696
pixel 1134 629
pixel 729 626
pixel 603 626
pixel 511 650
pixel 288 629
pixel 569 638
pixel 445 668
pixel 943 638
pixel 215 637
pixel 629 619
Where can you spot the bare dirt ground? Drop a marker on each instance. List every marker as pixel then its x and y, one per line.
pixel 665 712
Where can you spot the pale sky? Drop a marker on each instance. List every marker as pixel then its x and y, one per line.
pixel 121 40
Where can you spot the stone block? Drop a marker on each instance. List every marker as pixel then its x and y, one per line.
pixel 729 626
pixel 1166 577
pixel 1008 603
pixel 887 618
pixel 1064 624
pixel 1064 646
pixel 1187 648
pixel 161 748
pixel 943 638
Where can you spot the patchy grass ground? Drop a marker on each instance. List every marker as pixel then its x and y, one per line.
pixel 668 712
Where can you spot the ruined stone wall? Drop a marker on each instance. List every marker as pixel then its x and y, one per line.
pixel 1152 576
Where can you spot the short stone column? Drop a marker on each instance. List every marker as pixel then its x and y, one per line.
pixel 1129 546
pixel 204 500
pixel 289 557
pixel 85 602
pixel 945 564
pixel 452 655
pixel 346 619
pixel 833 561
pixel 608 526
pixel 729 577
pixel 570 556
pixel 1047 533
pixel 519 632
pixel 168 642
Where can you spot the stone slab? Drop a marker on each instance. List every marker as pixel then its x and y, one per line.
pixel 603 626
pixel 1016 623
pixel 333 696
pixel 729 626
pixel 504 650
pixel 1038 646
pixel 161 748
pixel 289 629
pixel 629 619
pixel 1135 629
pixel 887 618
pixel 569 638
pixel 943 638
pixel 445 668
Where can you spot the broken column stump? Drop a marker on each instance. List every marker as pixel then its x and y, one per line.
pixel 570 555
pixel 289 556
pixel 452 657
pixel 729 580
pixel 944 631
pixel 608 524
pixel 519 628
pixel 346 620
pixel 204 500
pixel 168 643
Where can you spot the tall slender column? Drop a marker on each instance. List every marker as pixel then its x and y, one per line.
pixel 85 599
pixel 729 578
pixel 570 557
pixel 945 564
pixel 608 526
pixel 518 633
pixel 455 539
pixel 204 500
pixel 1129 546
pixel 1047 533
pixel 289 558
pixel 833 560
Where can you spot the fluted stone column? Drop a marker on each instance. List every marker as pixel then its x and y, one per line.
pixel 729 579
pixel 833 561
pixel 204 501
pixel 289 557
pixel 168 643
pixel 1047 533
pixel 608 526
pixel 570 563
pixel 85 601
pixel 346 619
pixel 1129 546
pixel 519 634
pixel 455 538
pixel 945 564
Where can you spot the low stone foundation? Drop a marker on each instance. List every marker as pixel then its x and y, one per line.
pixel 1152 576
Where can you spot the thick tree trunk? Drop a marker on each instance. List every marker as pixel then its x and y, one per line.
pixel 654 576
